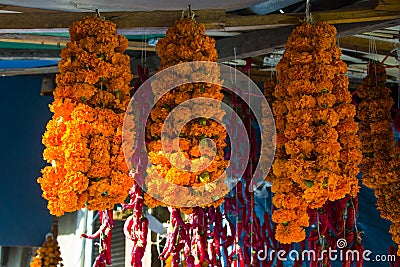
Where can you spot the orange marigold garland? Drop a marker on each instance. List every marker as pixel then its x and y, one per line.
pixel 376 132
pixel 388 197
pixel 48 255
pixel 315 129
pixel 83 138
pixel 381 159
pixel 185 41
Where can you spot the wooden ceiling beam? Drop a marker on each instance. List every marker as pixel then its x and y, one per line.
pixel 363 44
pixel 388 5
pixel 59 41
pixel 25 54
pixel 26 9
pixel 212 19
pixel 260 42
pixel 29 71
pixel 42 54
pixel 253 22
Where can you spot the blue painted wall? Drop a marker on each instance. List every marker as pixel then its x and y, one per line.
pixel 24 218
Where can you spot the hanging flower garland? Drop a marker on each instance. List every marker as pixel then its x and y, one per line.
pixel 376 132
pixel 388 197
pixel 315 127
pixel 185 41
pixel 83 138
pixel 48 254
pixel 381 159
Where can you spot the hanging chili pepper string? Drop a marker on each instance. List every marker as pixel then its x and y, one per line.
pixel 136 226
pixel 107 223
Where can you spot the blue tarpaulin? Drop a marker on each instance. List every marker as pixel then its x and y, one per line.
pixel 24 217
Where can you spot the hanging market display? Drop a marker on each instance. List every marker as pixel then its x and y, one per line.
pixel 313 177
pixel 316 129
pixel 380 155
pixel 83 138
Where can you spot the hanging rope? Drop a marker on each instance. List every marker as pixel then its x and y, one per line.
pixel 373 50
pixel 309 17
pixel 372 47
pixel 397 50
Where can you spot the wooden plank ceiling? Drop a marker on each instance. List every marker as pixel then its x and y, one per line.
pixel 367 30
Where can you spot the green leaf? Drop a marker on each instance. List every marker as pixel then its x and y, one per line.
pixel 325 182
pixel 309 183
pixel 324 91
pixel 83 99
pixel 202 89
pixel 204 177
pixel 203 121
pixel 118 94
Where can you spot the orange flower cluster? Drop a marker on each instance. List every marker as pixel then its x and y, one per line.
pixel 376 131
pixel 186 41
pixel 318 151
pixel 83 138
pixel 388 196
pixel 381 159
pixel 48 255
pixel 269 87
